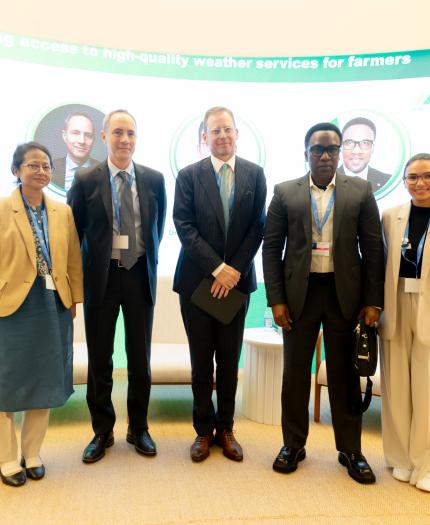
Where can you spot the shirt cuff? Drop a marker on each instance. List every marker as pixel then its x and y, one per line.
pixel 218 270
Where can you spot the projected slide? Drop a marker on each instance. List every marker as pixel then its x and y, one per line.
pixel 57 93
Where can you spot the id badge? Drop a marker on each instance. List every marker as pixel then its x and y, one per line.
pixel 412 285
pixel 120 242
pixel 49 282
pixel 322 249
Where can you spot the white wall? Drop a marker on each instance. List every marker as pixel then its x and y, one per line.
pixel 227 27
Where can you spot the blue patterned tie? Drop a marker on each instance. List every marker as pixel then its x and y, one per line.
pixel 128 257
pixel 226 183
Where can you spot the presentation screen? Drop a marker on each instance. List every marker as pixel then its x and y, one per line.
pixel 58 92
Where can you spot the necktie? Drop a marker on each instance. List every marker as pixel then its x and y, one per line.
pixel 226 183
pixel 128 257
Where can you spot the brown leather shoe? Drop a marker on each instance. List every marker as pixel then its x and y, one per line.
pixel 230 447
pixel 200 448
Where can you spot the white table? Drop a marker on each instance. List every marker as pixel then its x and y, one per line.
pixel 262 381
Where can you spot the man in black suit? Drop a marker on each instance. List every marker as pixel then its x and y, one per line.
pixel 357 148
pixel 219 215
pixel 323 262
pixel 78 136
pixel 119 209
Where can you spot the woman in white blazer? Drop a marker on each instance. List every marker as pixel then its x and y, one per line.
pixel 405 330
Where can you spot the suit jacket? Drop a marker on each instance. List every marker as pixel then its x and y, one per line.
pixel 358 255
pixel 18 253
pixel 90 198
pixel 59 175
pixel 377 178
pixel 394 223
pixel 199 221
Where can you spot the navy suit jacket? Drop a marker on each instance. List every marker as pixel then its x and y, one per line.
pixel 90 198
pixel 199 221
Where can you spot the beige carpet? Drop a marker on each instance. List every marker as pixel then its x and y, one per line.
pixel 169 489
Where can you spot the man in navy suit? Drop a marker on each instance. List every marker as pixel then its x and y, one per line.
pixel 220 225
pixel 119 209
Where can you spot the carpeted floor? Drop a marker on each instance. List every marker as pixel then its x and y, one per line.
pixel 169 489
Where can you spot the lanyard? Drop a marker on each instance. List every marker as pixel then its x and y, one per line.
pixel 320 225
pixel 115 199
pixel 42 234
pixel 405 244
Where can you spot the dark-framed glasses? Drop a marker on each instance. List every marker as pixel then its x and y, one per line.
pixel 35 168
pixel 413 179
pixel 318 151
pixel 349 144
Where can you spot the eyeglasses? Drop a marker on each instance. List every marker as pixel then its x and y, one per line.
pixel 318 151
pixel 35 168
pixel 362 144
pixel 413 179
pixel 216 132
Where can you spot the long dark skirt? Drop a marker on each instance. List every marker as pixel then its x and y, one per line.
pixel 36 353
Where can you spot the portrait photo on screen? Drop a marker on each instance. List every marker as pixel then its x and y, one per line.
pixel 72 134
pixel 374 147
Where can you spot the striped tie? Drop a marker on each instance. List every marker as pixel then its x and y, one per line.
pixel 226 183
pixel 128 257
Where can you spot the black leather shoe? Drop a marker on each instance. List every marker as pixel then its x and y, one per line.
pixel 33 472
pixel 142 441
pixel 357 466
pixel 287 459
pixel 95 449
pixel 15 480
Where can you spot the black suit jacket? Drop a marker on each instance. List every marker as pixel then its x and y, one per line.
pixel 358 254
pixel 199 221
pixel 59 175
pixel 90 198
pixel 377 178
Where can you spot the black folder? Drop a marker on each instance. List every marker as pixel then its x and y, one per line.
pixel 221 309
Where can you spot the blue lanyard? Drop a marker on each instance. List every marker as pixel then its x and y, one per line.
pixel 405 244
pixel 115 199
pixel 42 234
pixel 320 225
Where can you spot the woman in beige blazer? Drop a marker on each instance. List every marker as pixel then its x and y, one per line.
pixel 405 331
pixel 40 284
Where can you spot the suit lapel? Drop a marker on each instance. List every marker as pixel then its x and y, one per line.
pixel 143 194
pixel 303 204
pixel 401 220
pixel 51 210
pixel 206 177
pixel 340 202
pixel 240 179
pixel 104 187
pixel 23 225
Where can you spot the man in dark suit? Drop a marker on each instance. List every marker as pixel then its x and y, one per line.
pixel 323 263
pixel 119 209
pixel 78 136
pixel 219 215
pixel 357 148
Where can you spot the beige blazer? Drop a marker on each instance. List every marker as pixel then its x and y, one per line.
pixel 394 223
pixel 18 253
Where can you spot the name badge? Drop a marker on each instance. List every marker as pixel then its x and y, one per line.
pixel 120 242
pixel 49 282
pixel 412 285
pixel 322 249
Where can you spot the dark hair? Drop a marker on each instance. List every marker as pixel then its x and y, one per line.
pixel 360 121
pixel 22 150
pixel 418 156
pixel 322 126
pixel 212 111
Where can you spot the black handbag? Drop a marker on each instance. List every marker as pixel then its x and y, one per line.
pixel 365 358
